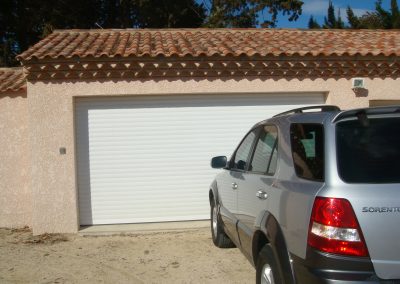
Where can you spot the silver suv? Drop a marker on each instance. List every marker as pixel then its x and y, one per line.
pixel 312 196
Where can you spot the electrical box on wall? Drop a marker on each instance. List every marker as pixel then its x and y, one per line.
pixel 358 83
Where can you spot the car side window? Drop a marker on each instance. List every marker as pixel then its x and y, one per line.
pixel 243 151
pixel 308 150
pixel 265 154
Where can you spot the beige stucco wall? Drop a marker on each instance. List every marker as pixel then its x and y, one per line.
pixel 51 126
pixel 15 193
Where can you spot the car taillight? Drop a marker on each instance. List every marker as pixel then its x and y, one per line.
pixel 334 228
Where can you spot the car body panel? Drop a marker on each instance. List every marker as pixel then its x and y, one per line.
pixel 250 206
pixel 227 197
pixel 378 215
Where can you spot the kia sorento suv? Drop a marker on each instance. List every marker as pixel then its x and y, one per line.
pixel 312 195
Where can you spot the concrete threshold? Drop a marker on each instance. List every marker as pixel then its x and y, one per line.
pixel 142 228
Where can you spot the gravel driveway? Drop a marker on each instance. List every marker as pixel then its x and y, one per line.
pixel 165 257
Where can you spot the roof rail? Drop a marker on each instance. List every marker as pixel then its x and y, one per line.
pixel 367 111
pixel 321 108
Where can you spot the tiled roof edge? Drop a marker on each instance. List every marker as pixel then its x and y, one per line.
pixel 131 43
pixel 12 80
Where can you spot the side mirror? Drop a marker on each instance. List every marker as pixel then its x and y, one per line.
pixel 219 162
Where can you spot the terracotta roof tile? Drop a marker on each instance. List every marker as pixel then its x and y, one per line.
pixel 209 42
pixel 12 79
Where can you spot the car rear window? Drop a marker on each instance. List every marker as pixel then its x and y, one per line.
pixel 368 150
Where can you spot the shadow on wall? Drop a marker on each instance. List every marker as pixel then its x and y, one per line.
pixel 14 94
pixel 223 78
pixel 83 168
pixel 360 92
pixel 216 68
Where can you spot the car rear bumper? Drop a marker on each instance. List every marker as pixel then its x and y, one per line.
pixel 321 267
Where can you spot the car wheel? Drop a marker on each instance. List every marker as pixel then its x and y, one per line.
pixel 267 267
pixel 219 237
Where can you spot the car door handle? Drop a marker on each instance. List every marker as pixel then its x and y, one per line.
pixel 262 194
pixel 234 185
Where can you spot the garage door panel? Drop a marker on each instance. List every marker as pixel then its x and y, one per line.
pixel 147 159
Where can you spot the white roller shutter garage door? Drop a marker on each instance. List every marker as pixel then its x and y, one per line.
pixel 147 159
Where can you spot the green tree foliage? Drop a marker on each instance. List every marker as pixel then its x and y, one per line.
pixel 378 19
pixel 6 42
pixel 170 14
pixel 116 13
pixel 370 20
pixel 250 13
pixel 390 19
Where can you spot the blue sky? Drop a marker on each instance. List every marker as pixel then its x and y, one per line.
pixel 318 8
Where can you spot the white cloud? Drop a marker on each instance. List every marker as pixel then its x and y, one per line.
pixel 320 8
pixel 360 12
pixel 315 7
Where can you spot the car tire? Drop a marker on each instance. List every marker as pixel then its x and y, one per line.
pixel 219 237
pixel 267 267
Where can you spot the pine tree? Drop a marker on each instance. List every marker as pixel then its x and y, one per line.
pixel 331 22
pixel 395 14
pixel 339 22
pixel 384 15
pixel 353 20
pixel 313 24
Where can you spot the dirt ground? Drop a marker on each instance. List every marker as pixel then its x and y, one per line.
pixel 165 257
